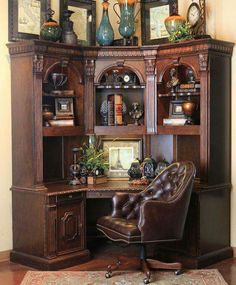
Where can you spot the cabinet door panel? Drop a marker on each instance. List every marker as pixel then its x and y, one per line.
pixel 70 222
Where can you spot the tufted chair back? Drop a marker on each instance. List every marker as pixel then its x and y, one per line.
pixel 165 187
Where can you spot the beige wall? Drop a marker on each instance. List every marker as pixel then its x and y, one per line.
pixel 221 25
pixel 5 135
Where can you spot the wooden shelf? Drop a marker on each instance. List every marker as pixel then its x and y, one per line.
pixel 179 130
pixel 179 94
pixel 63 131
pixel 112 86
pixel 120 130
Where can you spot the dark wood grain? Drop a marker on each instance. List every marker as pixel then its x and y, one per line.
pixel 41 225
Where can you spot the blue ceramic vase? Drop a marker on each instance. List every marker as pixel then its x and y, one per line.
pixel 127 17
pixel 105 33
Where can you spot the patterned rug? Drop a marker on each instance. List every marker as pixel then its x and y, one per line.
pixel 191 277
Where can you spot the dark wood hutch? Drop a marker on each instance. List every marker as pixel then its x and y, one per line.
pixel 49 216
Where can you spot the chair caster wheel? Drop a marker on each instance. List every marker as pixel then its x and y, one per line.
pixel 146 280
pixel 108 275
pixel 179 271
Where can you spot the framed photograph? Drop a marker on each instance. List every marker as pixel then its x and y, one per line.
pixel 25 18
pixel 176 109
pixel 153 15
pixel 64 107
pixel 84 19
pixel 121 154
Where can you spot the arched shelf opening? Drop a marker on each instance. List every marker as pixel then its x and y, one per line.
pixel 177 85
pixel 116 85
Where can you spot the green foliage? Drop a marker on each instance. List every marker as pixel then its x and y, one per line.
pixel 183 32
pixel 93 157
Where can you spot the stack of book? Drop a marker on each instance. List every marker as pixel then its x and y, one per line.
pixel 174 121
pixel 114 109
pixel 189 88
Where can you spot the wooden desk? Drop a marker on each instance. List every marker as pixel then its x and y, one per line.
pixel 51 226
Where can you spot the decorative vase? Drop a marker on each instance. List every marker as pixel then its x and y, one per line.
pixel 47 115
pixel 172 22
pixel 149 166
pixel 50 30
pixel 189 108
pixel 68 34
pixel 105 33
pixel 127 18
pixel 161 165
pixel 134 171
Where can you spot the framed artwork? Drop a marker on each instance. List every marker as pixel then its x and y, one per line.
pixel 25 18
pixel 121 153
pixel 153 15
pixel 84 19
pixel 176 109
pixel 64 107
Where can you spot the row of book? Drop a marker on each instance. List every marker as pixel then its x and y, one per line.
pixel 114 109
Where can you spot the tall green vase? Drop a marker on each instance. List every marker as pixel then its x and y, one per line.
pixel 105 33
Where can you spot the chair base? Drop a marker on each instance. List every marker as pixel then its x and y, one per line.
pixel 146 264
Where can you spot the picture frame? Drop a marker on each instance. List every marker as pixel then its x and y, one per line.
pixel 176 109
pixel 153 14
pixel 121 153
pixel 23 25
pixel 64 107
pixel 84 19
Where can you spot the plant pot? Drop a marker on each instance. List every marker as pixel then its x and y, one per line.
pixel 92 180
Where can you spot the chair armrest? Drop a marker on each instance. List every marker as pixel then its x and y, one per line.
pixel 159 221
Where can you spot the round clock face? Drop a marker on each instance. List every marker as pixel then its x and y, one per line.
pixel 126 78
pixel 193 14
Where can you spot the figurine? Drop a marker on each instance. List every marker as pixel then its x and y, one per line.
pixel 136 113
pixel 174 80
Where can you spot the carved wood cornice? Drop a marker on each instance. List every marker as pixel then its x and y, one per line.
pixel 42 47
pixel 124 52
pixel 196 46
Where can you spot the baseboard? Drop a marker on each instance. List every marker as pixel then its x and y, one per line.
pixel 4 255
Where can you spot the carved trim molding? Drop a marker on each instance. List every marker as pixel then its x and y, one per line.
pixel 203 62
pixel 90 67
pixel 120 53
pixel 196 48
pixel 150 65
pixel 38 64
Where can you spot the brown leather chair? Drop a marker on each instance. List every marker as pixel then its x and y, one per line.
pixel 155 215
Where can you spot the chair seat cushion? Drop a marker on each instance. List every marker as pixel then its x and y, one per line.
pixel 119 229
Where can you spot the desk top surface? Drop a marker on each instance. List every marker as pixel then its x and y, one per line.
pixel 110 186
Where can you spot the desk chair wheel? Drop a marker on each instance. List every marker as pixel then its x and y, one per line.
pixel 108 275
pixel 146 280
pixel 179 271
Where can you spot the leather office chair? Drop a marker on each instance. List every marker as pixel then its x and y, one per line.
pixel 155 215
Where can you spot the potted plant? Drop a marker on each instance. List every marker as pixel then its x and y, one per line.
pixel 95 159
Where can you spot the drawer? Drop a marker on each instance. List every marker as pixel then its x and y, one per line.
pixel 69 197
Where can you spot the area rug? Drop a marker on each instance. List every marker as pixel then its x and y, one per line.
pixel 191 277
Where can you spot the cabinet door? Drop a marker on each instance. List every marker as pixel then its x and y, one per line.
pixel 70 226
